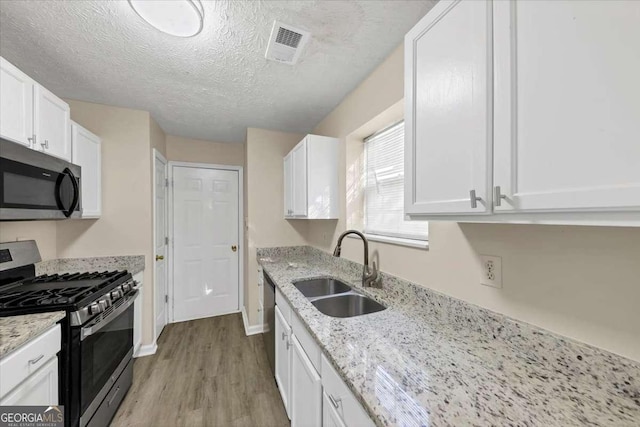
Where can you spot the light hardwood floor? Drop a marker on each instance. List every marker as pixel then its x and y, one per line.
pixel 205 373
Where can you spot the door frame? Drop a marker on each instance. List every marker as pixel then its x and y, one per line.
pixel 240 169
pixel 158 155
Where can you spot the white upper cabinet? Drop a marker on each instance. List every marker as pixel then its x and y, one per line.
pixel 31 115
pixel 567 102
pixel 299 179
pixel 448 122
pixel 534 105
pixel 311 179
pixel 288 185
pixel 52 124
pixel 16 104
pixel 86 151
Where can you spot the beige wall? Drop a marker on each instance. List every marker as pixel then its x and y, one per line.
pixel 43 232
pixel 581 282
pixel 198 151
pixel 265 221
pixel 124 227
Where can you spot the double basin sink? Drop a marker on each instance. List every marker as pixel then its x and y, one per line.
pixel 336 299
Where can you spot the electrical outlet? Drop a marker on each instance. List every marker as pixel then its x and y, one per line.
pixel 491 271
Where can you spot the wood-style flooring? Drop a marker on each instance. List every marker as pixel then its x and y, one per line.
pixel 205 373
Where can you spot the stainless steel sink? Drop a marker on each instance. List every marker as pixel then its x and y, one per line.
pixel 348 305
pixel 321 287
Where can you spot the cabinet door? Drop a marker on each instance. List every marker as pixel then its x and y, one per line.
pixel 137 316
pixel 16 104
pixel 288 185
pixel 306 389
pixel 330 415
pixel 448 116
pixel 567 134
pixel 52 124
pixel 283 359
pixel 299 154
pixel 86 152
pixel 40 388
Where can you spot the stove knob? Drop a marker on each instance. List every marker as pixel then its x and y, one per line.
pixel 116 294
pixel 103 304
pixel 95 308
pixel 126 287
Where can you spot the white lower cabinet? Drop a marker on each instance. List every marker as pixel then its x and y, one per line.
pixel 306 389
pixel 312 392
pixel 41 388
pixel 283 359
pixel 330 415
pixel 137 314
pixel 30 373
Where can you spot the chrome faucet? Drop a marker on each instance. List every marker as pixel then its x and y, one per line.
pixel 369 275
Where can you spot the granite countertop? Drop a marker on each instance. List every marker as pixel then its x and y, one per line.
pixel 17 330
pixel 432 360
pixel 133 263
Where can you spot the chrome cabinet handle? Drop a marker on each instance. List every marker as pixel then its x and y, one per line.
pixel 284 334
pixel 45 144
pixel 288 344
pixel 474 199
pixel 499 196
pixel 36 360
pixel 335 402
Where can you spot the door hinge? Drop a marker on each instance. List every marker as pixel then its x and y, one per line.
pixel 166 240
pixel 166 299
pixel 166 182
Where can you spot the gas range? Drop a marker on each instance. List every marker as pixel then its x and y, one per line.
pixel 83 295
pixel 96 367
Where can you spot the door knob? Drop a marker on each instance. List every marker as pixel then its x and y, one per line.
pixel 159 257
pixel 234 248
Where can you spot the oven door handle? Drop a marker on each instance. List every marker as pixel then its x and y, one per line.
pixel 100 323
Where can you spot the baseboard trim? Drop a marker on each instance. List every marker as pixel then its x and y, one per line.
pixel 147 350
pixel 253 329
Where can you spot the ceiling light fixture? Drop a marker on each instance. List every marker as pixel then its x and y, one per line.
pixel 181 18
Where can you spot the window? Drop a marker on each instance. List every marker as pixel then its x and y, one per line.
pixel 384 187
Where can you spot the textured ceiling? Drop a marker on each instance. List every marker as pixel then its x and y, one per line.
pixel 215 85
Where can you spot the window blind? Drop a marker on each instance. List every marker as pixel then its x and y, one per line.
pixel 384 187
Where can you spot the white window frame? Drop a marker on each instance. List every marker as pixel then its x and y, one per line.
pixel 402 241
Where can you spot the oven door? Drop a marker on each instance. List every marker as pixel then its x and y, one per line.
pixel 106 347
pixel 34 185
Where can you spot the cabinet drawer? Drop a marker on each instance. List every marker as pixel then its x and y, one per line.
pixel 340 397
pixel 27 359
pixel 284 306
pixel 307 342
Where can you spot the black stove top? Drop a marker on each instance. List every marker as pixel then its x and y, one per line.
pixel 57 292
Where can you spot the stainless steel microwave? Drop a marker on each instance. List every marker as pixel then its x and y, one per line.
pixel 35 185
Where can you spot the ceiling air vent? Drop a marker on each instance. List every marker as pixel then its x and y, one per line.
pixel 286 43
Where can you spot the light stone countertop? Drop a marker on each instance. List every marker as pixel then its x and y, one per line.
pixel 133 263
pixel 432 360
pixel 17 330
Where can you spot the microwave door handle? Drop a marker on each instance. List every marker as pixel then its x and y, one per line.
pixel 76 193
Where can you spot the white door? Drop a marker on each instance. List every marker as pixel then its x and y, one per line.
pixel 306 389
pixel 288 185
pixel 330 415
pixel 86 151
pixel 448 84
pixel 160 239
pixel 16 104
pixel 299 155
pixel 283 359
pixel 52 123
pixel 40 388
pixel 567 132
pixel 206 239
